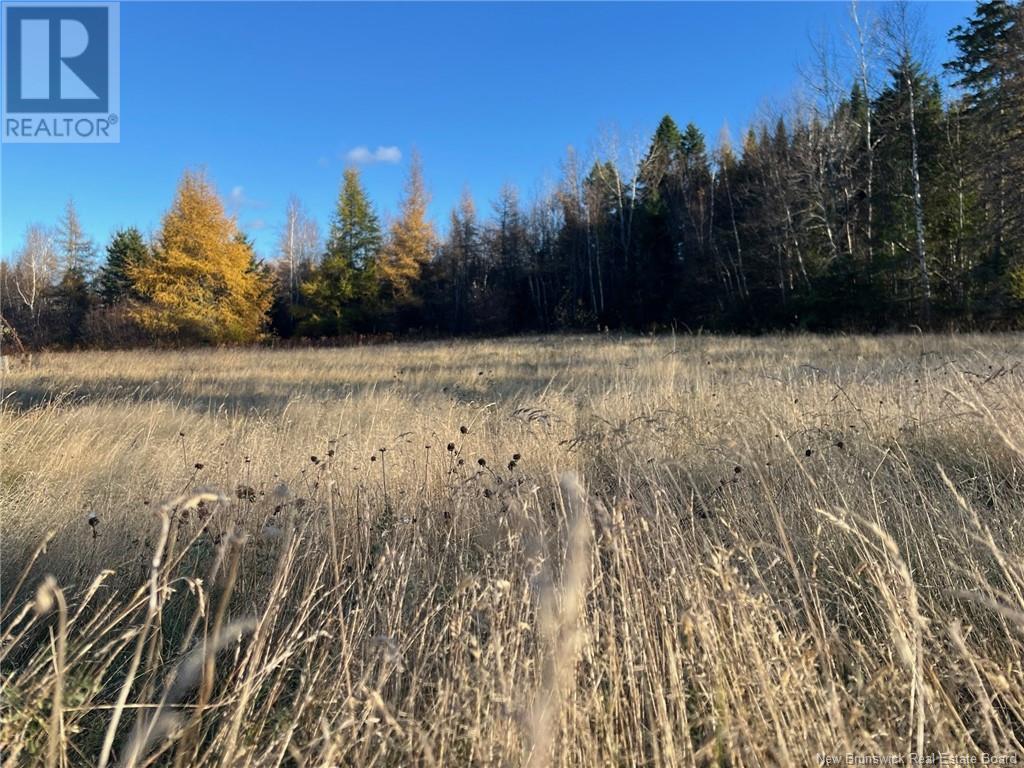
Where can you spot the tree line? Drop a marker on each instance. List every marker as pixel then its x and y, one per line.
pixel 877 202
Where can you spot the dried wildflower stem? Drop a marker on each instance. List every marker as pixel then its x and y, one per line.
pixel 333 533
pixel 151 611
pixel 24 573
pixel 799 546
pixel 50 592
pixel 558 620
pixel 185 676
pixel 189 741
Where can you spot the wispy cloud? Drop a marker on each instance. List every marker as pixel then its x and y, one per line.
pixel 365 156
pixel 238 200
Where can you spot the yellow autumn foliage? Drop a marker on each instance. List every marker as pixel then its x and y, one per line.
pixel 410 244
pixel 202 282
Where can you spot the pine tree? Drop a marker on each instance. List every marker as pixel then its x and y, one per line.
pixel 126 249
pixel 200 283
pixel 340 293
pixel 410 244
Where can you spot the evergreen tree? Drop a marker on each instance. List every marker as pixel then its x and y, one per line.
pixel 657 267
pixel 355 231
pixel 72 303
pixel 691 216
pixel 500 302
pixel 126 249
pixel 341 292
pixel 876 204
pixel 666 144
pixel 458 268
pixel 990 70
pixel 905 253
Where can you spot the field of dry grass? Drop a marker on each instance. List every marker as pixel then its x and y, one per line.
pixel 551 551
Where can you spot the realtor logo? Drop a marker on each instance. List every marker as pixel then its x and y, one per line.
pixel 61 72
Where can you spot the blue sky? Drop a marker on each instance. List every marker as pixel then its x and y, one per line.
pixel 271 98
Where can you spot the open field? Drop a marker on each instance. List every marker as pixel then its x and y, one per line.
pixel 551 551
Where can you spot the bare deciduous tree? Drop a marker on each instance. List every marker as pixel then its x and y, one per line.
pixel 298 246
pixel 36 269
pixel 901 41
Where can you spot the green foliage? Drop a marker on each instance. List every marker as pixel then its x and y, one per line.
pixel 878 204
pixel 990 71
pixel 355 234
pixel 126 250
pixel 342 289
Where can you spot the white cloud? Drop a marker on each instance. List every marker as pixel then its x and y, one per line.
pixel 388 154
pixel 365 156
pixel 238 199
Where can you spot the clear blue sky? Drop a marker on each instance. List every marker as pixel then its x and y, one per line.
pixel 271 97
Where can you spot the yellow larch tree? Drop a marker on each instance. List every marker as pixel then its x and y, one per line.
pixel 203 282
pixel 410 245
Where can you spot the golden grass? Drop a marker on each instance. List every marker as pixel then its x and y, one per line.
pixel 707 551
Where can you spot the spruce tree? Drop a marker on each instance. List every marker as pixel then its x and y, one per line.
pixel 896 229
pixel 126 249
pixel 458 266
pixel 654 284
pixel 341 291
pixel 990 70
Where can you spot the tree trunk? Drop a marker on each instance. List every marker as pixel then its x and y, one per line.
pixel 926 289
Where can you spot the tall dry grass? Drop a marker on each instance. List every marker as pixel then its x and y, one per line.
pixel 551 551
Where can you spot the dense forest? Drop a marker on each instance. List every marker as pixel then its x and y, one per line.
pixel 880 200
